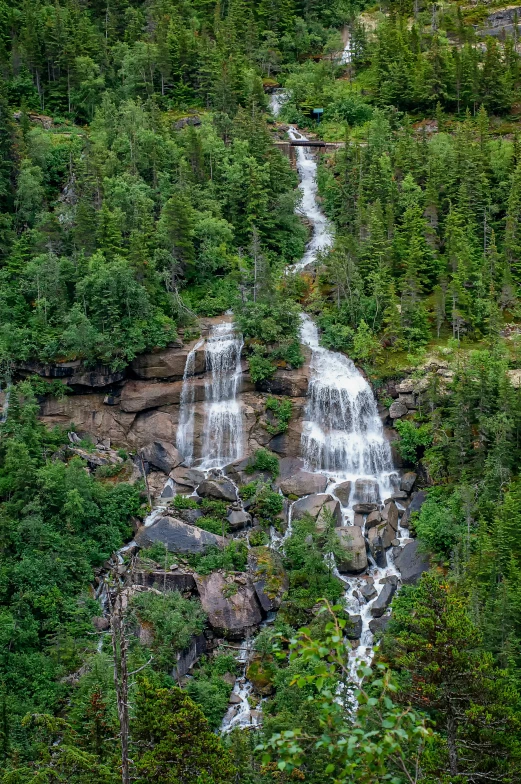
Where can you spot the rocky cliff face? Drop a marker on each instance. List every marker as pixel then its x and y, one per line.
pixel 142 406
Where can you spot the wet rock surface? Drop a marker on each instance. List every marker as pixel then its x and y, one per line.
pixel 179 537
pixel 231 606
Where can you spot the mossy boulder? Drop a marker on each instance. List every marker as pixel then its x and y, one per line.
pixel 269 577
pixel 261 673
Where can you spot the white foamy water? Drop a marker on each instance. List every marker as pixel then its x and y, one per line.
pixel 322 237
pixel 185 428
pixel 277 99
pixel 342 432
pixel 223 440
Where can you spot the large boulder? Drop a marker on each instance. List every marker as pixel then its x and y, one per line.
pixel 353 629
pixel 303 483
pixel 383 600
pixel 268 576
pixel 374 518
pixel 411 563
pixel 353 542
pixel 417 501
pixel 171 579
pixel 289 383
pixel 408 480
pixel 140 395
pixel 161 455
pixel 289 466
pixel 178 537
pixel 230 603
pixel 186 479
pixel 220 489
pixel 343 492
pixel 397 410
pixel 366 491
pixel 312 505
pixel 390 515
pixel 377 625
pixel 377 546
pixel 238 519
pixel 168 363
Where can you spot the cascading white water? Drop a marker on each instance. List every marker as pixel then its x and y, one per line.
pixel 277 99
pixel 342 432
pixel 223 432
pixel 322 236
pixel 185 428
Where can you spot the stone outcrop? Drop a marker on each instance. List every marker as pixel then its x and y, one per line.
pixel 417 501
pixel 178 537
pixel 353 542
pixel 384 599
pixel 314 505
pixel 161 455
pixel 230 603
pixel 411 563
pixel 171 579
pixel 343 492
pixel 168 362
pixel 303 483
pixel 141 405
pixel 219 489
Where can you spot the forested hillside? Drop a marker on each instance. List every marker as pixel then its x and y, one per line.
pixel 149 194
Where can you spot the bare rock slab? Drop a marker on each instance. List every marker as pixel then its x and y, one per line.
pixel 411 563
pixel 408 481
pixel 384 599
pixel 220 489
pixel 353 542
pixel 178 537
pixel 162 455
pixel 231 606
pixel 303 483
pixel 343 492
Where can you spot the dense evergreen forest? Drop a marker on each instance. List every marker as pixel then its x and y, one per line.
pixel 141 192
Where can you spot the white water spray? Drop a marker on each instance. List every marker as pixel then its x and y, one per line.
pixel 185 428
pixel 322 237
pixel 223 432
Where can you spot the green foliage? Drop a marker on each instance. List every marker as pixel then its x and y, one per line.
pixel 264 461
pixel 232 558
pixel 282 411
pixel 214 525
pixel 172 621
pixel 185 502
pixel 434 644
pixel 209 690
pixel 58 524
pixel 175 741
pixel 384 742
pixel 413 438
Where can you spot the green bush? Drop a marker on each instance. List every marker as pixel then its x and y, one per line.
pixel 185 502
pixel 263 460
pixel 173 620
pixel 232 558
pixel 213 525
pixel 412 439
pixel 282 410
pixel 261 368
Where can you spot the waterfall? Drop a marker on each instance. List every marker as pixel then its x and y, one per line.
pixel 223 432
pixel 277 99
pixel 322 237
pixel 185 428
pixel 342 432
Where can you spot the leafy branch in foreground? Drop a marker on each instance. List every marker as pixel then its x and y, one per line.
pixel 379 742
